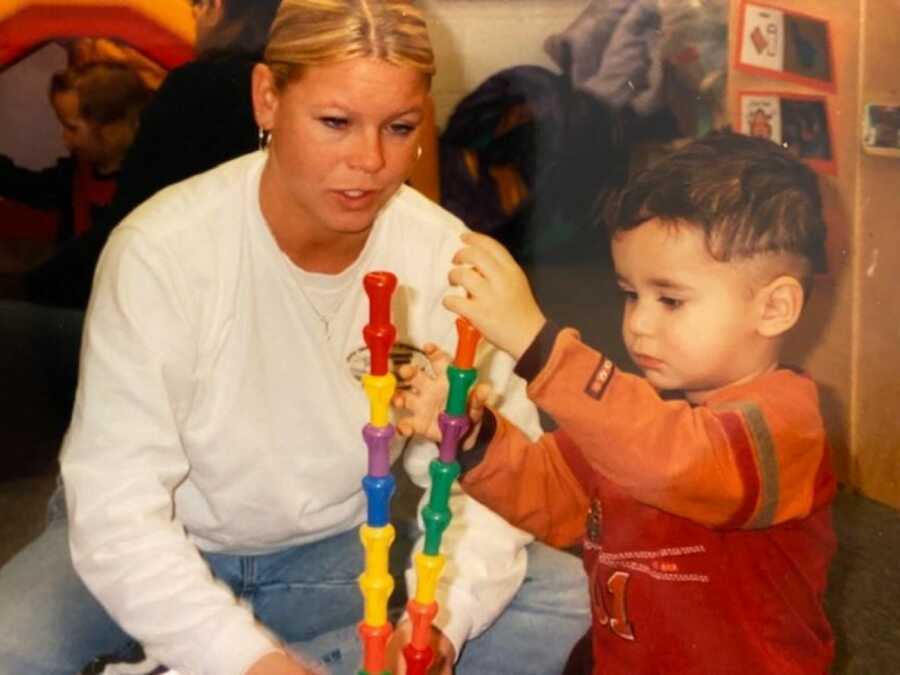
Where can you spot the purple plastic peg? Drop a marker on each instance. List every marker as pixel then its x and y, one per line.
pixel 378 440
pixel 453 428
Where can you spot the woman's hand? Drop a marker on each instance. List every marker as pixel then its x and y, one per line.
pixel 500 303
pixel 425 397
pixel 444 653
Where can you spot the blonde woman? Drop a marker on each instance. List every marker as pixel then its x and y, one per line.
pixel 212 468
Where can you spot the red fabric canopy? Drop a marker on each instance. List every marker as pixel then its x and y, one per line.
pixel 163 31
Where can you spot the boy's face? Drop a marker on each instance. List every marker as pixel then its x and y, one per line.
pixel 690 321
pixel 79 136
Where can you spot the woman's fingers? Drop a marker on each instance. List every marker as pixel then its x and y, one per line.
pixel 437 358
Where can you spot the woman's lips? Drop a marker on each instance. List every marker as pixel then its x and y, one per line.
pixel 355 199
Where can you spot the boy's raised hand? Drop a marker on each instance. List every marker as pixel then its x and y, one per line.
pixel 425 396
pixel 500 303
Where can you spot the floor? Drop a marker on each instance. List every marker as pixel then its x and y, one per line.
pixel 864 595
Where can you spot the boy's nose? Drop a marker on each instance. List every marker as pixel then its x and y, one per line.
pixel 638 319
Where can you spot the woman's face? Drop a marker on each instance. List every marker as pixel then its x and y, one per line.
pixel 344 138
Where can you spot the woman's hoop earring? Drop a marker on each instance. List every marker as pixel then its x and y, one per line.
pixel 264 137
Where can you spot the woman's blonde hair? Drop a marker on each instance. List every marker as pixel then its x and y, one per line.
pixel 321 32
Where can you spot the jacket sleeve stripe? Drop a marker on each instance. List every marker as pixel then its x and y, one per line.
pixel 767 462
pixel 754 453
pixel 743 456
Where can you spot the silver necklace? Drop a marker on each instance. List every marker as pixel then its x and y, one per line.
pixel 324 320
pixel 322 317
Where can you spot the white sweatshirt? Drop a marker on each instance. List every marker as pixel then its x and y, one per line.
pixel 212 412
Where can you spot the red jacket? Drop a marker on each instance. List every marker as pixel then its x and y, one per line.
pixel 706 530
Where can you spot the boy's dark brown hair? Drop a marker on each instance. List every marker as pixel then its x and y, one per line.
pixel 749 195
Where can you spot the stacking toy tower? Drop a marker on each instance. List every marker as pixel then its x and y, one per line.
pixel 453 423
pixel 377 533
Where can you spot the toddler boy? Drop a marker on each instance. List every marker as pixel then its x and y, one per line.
pixel 700 492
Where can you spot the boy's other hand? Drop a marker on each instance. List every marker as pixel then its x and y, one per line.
pixel 500 303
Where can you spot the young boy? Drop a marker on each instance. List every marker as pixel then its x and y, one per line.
pixel 708 531
pixel 98 106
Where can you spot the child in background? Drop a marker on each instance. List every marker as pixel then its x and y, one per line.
pixel 98 106
pixel 700 492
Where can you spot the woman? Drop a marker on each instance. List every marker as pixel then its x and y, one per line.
pixel 212 468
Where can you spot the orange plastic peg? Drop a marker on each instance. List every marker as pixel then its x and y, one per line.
pixel 375 641
pixel 467 344
pixel 421 617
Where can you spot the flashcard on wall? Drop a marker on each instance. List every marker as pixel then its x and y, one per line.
pixel 785 45
pixel 799 123
pixel 881 130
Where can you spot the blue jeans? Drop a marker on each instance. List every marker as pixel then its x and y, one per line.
pixel 308 595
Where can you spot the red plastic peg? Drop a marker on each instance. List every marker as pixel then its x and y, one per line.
pixel 417 660
pixel 467 344
pixel 379 333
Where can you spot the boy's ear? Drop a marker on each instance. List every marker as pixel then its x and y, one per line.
pixel 265 96
pixel 780 305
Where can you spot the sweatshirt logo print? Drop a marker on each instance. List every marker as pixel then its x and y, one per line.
pixel 600 378
pixel 359 360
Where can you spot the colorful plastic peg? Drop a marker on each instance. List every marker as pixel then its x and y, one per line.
pixel 417 660
pixel 379 333
pixel 374 639
pixel 418 654
pixel 453 428
pixel 467 344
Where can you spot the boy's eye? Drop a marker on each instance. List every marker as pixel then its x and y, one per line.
pixel 671 303
pixel 630 296
pixel 334 122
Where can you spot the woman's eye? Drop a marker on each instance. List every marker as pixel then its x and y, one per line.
pixel 334 122
pixel 671 303
pixel 402 128
pixel 630 296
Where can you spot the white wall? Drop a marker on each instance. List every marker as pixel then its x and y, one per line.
pixel 475 38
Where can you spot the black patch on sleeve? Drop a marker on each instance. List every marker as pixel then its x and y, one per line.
pixel 535 357
pixel 469 459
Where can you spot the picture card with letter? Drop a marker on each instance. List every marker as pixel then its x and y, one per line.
pixel 786 45
pixel 797 122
